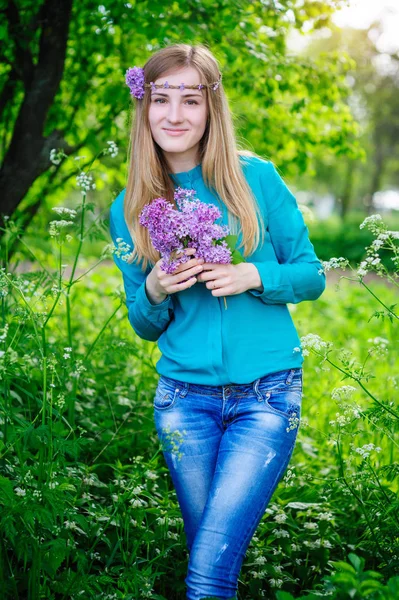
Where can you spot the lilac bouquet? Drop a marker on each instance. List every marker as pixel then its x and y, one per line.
pixel 193 226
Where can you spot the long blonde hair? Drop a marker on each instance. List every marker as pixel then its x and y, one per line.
pixel 218 151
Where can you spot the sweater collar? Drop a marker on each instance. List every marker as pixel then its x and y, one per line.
pixel 187 177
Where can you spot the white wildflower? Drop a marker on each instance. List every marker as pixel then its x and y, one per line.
pixel 280 533
pixel 56 156
pixel 85 182
pixel 379 347
pixel 373 223
pixel 363 269
pixel 112 149
pixel 324 516
pixel 310 526
pixel 62 210
pixel 365 450
pixel 335 263
pixel 280 518
pixel 56 226
pixel 343 392
pixel 314 342
pixel 276 582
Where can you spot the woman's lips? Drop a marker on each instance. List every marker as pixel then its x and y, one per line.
pixel 175 132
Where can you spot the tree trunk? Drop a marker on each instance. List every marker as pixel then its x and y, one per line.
pixel 27 156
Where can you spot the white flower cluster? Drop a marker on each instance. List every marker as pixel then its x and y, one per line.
pixel 349 412
pixel 289 476
pixel 280 533
pixel 112 149
pixel 319 543
pixel 280 518
pixel 312 341
pixel 85 182
pixel 55 227
pixel 344 392
pixel 293 422
pixel 276 582
pixel 367 264
pixel 373 223
pixel 56 156
pixel 325 516
pixel 138 503
pixel 384 239
pixel 335 263
pixel 122 250
pixel 380 346
pixel 62 210
pixel 4 330
pixel 4 284
pixel 365 450
pixel 260 560
pixel 67 353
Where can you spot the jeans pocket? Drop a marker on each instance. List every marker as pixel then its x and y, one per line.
pixel 166 394
pixel 283 398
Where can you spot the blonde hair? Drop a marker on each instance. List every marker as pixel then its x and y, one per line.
pixel 218 152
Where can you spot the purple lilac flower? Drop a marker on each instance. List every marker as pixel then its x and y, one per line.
pixel 135 81
pixel 191 226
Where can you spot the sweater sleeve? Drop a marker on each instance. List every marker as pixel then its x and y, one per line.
pixel 298 275
pixel 148 320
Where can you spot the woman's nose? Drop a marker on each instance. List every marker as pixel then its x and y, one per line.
pixel 175 112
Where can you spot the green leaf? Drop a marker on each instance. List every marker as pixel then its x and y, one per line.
pixel 56 551
pixel 357 561
pixel 281 595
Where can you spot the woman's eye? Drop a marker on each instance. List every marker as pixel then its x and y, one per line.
pixel 163 100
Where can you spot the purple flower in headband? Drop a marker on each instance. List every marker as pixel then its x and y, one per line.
pixel 135 81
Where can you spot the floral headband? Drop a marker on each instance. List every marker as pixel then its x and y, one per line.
pixel 135 81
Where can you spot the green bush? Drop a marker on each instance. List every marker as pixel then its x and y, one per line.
pixel 332 237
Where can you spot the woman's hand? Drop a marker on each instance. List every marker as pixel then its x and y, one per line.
pixel 229 279
pixel 160 284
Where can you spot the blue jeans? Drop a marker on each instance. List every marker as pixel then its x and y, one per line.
pixel 226 447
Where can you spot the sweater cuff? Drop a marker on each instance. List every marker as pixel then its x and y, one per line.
pixel 275 285
pixel 148 309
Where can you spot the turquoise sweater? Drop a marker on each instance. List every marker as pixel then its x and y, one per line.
pixel 202 342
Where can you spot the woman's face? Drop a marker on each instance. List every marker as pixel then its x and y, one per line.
pixel 178 117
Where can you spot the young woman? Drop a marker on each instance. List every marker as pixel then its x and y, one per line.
pixel 228 401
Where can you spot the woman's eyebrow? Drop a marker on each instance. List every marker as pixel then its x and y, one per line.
pixel 183 95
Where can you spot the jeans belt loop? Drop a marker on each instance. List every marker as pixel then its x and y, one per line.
pixel 290 376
